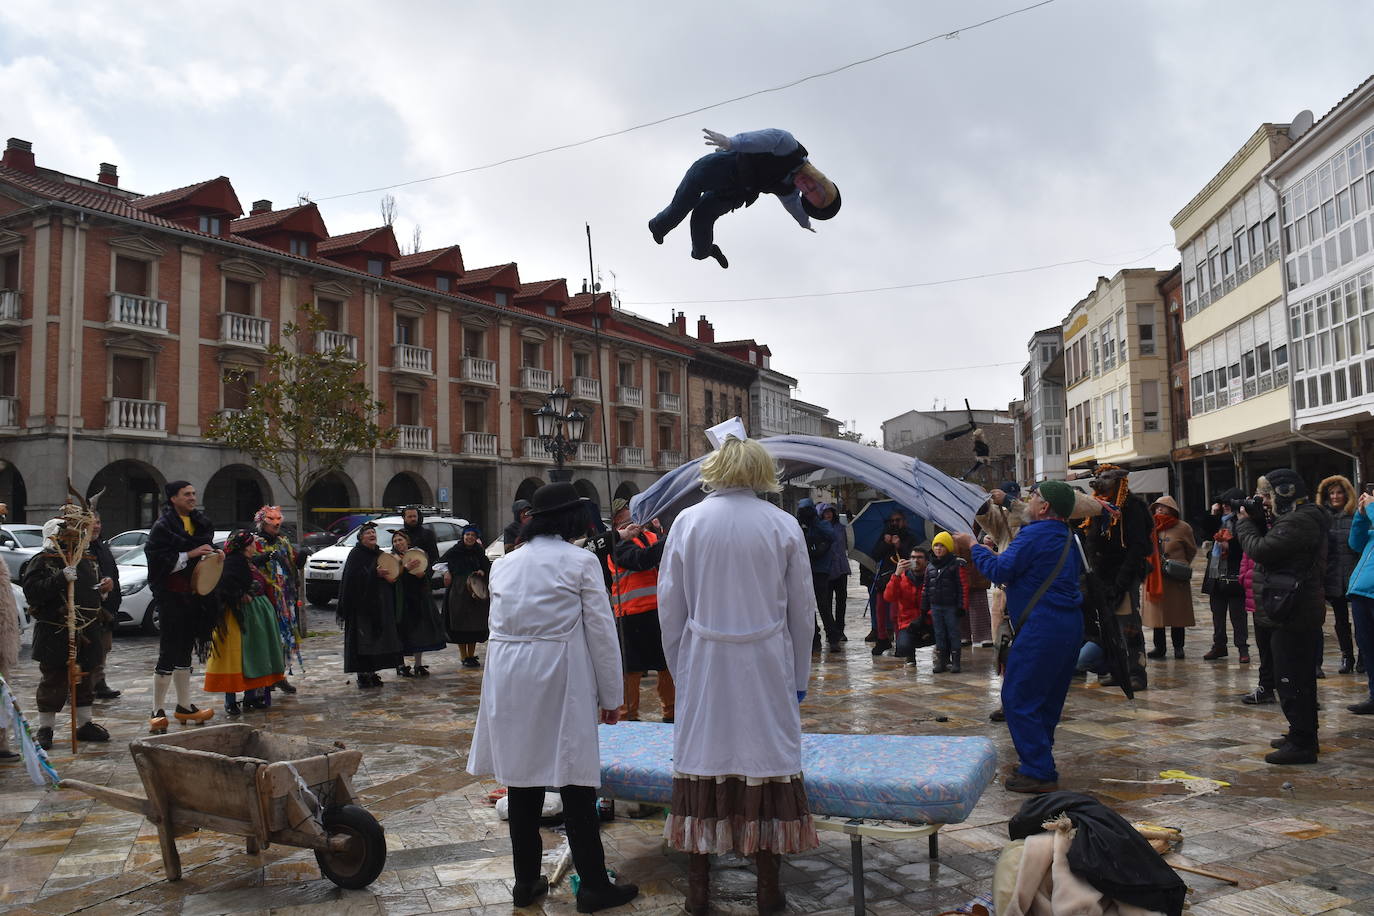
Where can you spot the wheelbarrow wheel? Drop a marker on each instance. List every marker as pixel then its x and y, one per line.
pixel 359 865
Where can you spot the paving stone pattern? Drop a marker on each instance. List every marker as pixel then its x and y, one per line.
pixel 1297 839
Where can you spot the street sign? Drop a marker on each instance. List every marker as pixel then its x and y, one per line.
pixel 443 494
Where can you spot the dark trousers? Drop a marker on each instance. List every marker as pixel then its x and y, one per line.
pixel 1176 633
pixel 175 638
pixel 831 597
pixel 1133 633
pixel 1362 615
pixel 820 584
pixel 907 638
pixel 580 820
pixel 709 190
pixel 1340 609
pixel 1264 641
pixel 106 642
pixel 1233 607
pixel 1296 681
pixel 52 691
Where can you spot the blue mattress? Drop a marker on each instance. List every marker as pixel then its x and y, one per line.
pixel 914 778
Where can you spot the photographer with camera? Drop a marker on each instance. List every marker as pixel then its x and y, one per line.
pixel 1290 600
pixel 1221 583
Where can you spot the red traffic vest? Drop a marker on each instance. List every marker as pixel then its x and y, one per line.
pixel 634 592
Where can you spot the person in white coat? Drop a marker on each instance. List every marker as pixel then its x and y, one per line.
pixel 736 609
pixel 553 670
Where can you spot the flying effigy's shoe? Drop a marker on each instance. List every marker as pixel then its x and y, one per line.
pixel 157 723
pixel 198 716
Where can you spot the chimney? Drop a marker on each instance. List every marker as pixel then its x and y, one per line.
pixel 680 323
pixel 109 174
pixel 705 332
pixel 261 206
pixel 19 156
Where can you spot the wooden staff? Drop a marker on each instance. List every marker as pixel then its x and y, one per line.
pixel 74 672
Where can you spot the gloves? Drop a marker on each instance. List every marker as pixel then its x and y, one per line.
pixel 801 695
pixel 69 573
pixel 718 140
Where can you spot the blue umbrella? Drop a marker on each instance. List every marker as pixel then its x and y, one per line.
pixel 868 527
pixel 910 482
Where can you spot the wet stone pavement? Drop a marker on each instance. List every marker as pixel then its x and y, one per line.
pixel 1297 839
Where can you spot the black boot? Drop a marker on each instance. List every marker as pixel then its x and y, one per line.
pixel 523 894
pixel 1347 664
pixel 1159 651
pixel 593 899
pixel 881 646
pixel 954 665
pixel 941 663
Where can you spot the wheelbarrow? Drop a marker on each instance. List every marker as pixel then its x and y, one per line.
pixel 240 780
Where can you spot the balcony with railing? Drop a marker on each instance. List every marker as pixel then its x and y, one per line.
pixel 327 341
pixel 532 447
pixel 589 453
pixel 587 389
pixel 9 413
pixel 630 396
pixel 670 402
pixel 10 305
pixel 130 415
pixel 244 330
pixel 482 371
pixel 415 438
pixel 630 456
pixel 140 312
pixel 533 379
pixel 479 445
pixel 407 358
pixel 669 458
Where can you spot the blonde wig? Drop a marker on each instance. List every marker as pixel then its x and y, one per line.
pixel 740 463
pixel 831 192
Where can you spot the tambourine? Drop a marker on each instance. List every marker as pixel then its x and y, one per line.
pixel 390 565
pixel 206 574
pixel 477 587
pixel 408 558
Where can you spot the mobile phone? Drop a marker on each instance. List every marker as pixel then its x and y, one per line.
pixel 1369 488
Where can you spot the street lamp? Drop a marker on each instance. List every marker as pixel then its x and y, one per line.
pixel 560 431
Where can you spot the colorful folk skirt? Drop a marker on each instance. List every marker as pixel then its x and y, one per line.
pixel 743 814
pixel 247 658
pixel 979 619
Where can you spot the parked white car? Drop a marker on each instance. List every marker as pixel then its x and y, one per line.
pixel 324 569
pixel 138 610
pixel 25 622
pixel 126 541
pixel 17 544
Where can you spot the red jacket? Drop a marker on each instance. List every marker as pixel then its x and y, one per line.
pixel 906 594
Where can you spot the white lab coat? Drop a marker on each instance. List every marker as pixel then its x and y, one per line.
pixel 553 662
pixel 738 612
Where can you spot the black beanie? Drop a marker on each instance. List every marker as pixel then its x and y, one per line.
pixel 175 487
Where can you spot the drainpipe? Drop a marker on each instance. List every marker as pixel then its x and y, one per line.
pixel 78 279
pixel 1292 381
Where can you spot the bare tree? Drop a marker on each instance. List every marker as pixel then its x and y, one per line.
pixel 415 240
pixel 388 206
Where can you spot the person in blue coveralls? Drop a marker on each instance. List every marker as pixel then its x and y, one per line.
pixel 743 167
pixel 1043 656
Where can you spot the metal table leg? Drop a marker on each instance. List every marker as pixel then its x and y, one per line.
pixel 856 868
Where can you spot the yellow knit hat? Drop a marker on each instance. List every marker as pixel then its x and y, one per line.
pixel 945 540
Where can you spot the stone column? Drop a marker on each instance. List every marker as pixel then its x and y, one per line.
pixel 188 351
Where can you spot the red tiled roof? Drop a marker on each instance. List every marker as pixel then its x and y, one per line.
pixel 421 258
pixel 180 195
pixel 266 220
pixel 480 276
pixel 360 240
pixel 539 288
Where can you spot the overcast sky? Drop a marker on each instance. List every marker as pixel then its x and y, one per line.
pixel 1073 131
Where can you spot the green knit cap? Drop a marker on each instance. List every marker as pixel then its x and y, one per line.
pixel 1059 495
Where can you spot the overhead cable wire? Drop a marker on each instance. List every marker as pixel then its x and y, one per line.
pixel 954 33
pixel 914 285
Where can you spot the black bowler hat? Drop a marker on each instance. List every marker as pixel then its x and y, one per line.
pixel 554 497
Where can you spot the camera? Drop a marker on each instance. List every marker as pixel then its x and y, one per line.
pixel 1253 506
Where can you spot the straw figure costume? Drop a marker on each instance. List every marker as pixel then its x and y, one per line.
pixel 246 656
pixel 737 610
pixel 743 167
pixel 367 612
pixel 65 559
pixel 178 541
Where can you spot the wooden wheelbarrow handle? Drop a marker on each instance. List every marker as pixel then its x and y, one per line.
pixel 118 798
